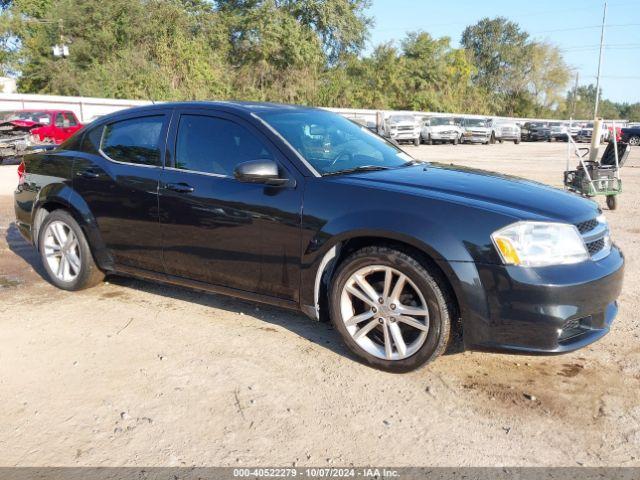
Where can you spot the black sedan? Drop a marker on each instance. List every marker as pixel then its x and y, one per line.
pixel 631 135
pixel 303 209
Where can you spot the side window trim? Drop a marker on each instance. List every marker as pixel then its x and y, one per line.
pixel 165 119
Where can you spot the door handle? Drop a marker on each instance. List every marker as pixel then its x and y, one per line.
pixel 88 174
pixel 179 187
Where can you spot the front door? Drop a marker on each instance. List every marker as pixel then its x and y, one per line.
pixel 219 230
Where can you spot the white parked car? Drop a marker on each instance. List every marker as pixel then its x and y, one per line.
pixel 476 130
pixel 401 128
pixel 441 130
pixel 504 130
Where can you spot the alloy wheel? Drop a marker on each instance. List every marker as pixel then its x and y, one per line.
pixel 384 312
pixel 62 251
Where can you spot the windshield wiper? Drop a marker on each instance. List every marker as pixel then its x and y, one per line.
pixel 362 168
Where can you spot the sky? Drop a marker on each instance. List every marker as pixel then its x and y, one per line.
pixel 574 26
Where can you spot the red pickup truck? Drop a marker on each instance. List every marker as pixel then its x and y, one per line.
pixel 20 129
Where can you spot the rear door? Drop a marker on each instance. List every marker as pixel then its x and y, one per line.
pixel 117 174
pixel 219 230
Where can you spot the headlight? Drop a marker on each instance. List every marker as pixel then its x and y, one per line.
pixel 539 244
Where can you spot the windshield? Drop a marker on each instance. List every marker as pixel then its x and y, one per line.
pixel 331 143
pixel 38 117
pixel 401 118
pixel 436 121
pixel 475 122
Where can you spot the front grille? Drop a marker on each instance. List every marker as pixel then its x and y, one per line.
pixel 584 227
pixel 574 327
pixel 405 129
pixel 595 247
pixel 596 237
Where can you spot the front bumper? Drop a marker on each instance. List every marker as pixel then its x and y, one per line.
pixel 445 136
pixel 404 135
pixel 509 136
pixel 547 310
pixel 475 138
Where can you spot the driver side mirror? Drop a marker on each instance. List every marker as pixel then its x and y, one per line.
pixel 259 171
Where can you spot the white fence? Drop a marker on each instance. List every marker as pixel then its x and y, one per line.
pixel 88 108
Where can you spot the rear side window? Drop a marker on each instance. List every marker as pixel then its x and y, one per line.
pixel 215 145
pixel 136 140
pixel 59 121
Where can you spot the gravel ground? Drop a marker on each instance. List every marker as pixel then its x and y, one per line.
pixel 133 373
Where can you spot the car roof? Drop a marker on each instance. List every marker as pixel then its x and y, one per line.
pixel 232 106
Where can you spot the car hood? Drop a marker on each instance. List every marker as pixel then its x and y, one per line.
pixel 517 197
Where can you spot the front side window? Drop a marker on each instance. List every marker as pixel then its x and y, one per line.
pixel 215 145
pixel 59 121
pixel 331 143
pixel 135 140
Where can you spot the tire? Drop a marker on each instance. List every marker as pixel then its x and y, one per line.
pixel 612 202
pixel 59 225
pixel 634 140
pixel 492 141
pixel 429 141
pixel 454 141
pixel 416 141
pixel 423 288
pixel 517 142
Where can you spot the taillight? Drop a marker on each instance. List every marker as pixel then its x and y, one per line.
pixel 22 171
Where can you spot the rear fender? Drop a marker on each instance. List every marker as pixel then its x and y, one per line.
pixel 62 194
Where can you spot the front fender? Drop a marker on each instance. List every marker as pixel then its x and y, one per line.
pixel 419 232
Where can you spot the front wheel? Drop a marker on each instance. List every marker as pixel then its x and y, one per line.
pixel 612 202
pixel 389 309
pixel 65 253
pixel 416 141
pixel 454 141
pixel 635 140
pixel 516 141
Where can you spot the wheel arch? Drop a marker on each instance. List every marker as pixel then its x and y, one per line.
pixel 65 198
pixel 426 256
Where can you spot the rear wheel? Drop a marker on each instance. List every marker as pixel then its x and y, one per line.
pixel 635 140
pixel 612 202
pixel 416 141
pixel 65 253
pixel 389 310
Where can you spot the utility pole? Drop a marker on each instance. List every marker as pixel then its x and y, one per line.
pixel 597 124
pixel 604 19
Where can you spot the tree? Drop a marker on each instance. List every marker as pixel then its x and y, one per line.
pixel 548 78
pixel 500 50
